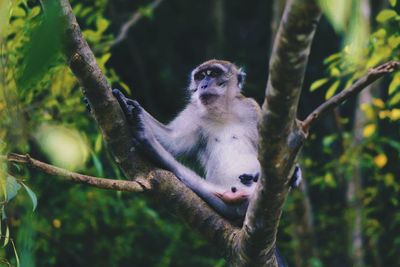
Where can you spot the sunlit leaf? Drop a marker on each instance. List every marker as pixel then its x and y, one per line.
pixel 5 7
pixel 394 41
pixel 369 130
pixel 332 58
pixel 332 90
pixel 56 223
pixel 389 179
pixel 102 24
pixel 335 72
pixel 395 99
pixel 395 114
pixel 98 143
pixel 31 195
pixel 317 84
pixel 380 160
pixel 64 146
pixel 378 103
pixel 385 15
pixel 393 2
pixel 337 12
pixel 329 180
pixel 6 236
pixel 394 84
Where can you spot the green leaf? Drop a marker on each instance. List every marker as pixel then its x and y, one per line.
pixel 332 90
pixel 12 187
pixel 32 195
pixel 6 236
pixel 395 99
pixel 394 84
pixel 98 143
pixel 102 24
pixel 385 15
pixel 332 58
pixel 44 47
pixel 317 84
pixel 393 2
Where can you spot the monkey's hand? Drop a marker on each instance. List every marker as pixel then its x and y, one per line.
pixel 134 114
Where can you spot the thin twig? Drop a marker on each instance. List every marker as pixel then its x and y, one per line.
pixel 139 185
pixel 123 32
pixel 372 75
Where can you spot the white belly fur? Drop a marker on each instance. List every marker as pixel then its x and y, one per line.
pixel 230 154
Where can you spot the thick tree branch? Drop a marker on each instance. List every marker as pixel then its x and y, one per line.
pixel 139 185
pixel 280 138
pixel 372 75
pixel 105 108
pixel 123 32
pixel 109 117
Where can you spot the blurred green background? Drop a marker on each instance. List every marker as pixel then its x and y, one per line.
pixel 347 210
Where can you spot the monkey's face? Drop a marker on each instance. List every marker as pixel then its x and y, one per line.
pixel 214 81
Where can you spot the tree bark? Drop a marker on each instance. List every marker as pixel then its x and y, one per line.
pixel 280 138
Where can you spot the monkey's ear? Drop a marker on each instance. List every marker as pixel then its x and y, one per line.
pixel 241 77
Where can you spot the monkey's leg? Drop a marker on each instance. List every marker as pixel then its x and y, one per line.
pixel 149 145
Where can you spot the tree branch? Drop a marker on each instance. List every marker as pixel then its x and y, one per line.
pixel 123 32
pixel 372 75
pixel 139 185
pixel 280 138
pixel 105 108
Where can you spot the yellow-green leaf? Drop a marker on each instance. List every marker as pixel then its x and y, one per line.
pixel 394 41
pixel 394 84
pixel 395 99
pixel 5 7
pixel 369 130
pixel 335 72
pixel 332 90
pixel 317 84
pixel 385 15
pixel 380 160
pixel 6 236
pixel 102 24
pixel 393 2
pixel 378 103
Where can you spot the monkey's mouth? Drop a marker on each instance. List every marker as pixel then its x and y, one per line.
pixel 208 98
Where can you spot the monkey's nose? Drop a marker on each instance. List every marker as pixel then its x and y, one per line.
pixel 233 189
pixel 204 86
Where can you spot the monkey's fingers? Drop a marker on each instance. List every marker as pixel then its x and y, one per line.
pixel 123 102
pixel 86 101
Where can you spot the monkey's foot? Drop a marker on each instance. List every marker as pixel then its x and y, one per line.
pixel 296 178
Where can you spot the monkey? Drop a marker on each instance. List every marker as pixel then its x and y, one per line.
pixel 218 125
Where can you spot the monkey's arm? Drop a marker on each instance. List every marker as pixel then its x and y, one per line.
pixel 177 137
pixel 147 142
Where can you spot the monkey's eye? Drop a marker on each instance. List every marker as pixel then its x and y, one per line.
pixel 214 72
pixel 199 76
